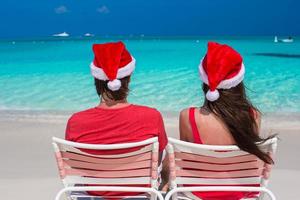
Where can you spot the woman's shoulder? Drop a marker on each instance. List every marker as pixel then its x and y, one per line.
pixel 184 125
pixel 184 113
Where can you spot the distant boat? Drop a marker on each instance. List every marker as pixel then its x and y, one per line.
pixel 63 34
pixel 290 39
pixel 285 40
pixel 89 35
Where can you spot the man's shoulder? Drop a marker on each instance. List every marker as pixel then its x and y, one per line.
pixel 81 114
pixel 147 110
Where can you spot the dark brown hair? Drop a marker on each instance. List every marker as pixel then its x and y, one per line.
pixel 238 114
pixel 121 94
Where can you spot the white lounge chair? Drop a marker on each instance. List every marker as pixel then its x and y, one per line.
pixel 77 167
pixel 217 168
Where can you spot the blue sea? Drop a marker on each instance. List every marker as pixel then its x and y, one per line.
pixel 47 74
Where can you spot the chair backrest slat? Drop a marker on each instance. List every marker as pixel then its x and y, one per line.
pixel 206 152
pixel 107 174
pixel 107 167
pixel 197 164
pixel 218 182
pixel 67 148
pixel 219 167
pixel 92 159
pixel 224 174
pixel 213 160
pixel 107 181
pixel 77 165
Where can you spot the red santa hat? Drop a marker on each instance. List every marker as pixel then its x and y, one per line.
pixel 221 68
pixel 112 62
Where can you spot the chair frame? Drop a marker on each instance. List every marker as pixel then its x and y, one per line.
pixel 271 145
pixel 59 144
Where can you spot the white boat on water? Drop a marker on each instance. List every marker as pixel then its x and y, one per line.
pixel 63 34
pixel 285 40
pixel 89 35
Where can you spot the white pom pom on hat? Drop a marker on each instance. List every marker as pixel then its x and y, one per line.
pixel 114 85
pixel 212 95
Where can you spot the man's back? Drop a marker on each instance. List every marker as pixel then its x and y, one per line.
pixel 132 123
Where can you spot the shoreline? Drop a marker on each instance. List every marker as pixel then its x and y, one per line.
pixel 165 113
pixel 270 120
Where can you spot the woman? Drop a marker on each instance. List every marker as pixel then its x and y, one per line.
pixel 114 120
pixel 227 117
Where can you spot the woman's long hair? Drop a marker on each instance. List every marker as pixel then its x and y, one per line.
pixel 238 114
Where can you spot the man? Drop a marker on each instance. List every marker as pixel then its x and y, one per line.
pixel 115 120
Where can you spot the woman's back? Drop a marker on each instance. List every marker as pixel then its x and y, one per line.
pixel 199 125
pixel 210 128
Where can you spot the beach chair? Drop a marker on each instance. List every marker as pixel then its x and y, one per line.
pixel 81 171
pixel 214 168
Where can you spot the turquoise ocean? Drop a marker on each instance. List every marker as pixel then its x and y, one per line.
pixel 47 74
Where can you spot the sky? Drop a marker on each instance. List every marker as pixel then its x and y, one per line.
pixel 32 18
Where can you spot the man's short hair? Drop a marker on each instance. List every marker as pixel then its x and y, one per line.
pixel 121 94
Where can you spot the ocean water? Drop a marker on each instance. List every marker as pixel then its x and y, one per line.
pixel 53 74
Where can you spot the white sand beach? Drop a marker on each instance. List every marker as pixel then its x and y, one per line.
pixel 28 168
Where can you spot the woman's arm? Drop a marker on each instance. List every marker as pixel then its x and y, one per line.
pixel 258 120
pixel 184 126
